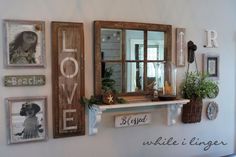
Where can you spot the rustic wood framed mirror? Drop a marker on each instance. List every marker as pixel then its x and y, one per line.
pixel 130 56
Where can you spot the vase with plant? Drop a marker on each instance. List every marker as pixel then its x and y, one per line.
pixel 196 87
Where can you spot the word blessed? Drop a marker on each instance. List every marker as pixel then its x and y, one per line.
pixel 192 142
pixel 132 120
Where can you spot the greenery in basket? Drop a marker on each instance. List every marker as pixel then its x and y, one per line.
pixel 197 85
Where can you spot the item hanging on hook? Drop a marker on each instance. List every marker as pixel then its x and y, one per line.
pixel 191 49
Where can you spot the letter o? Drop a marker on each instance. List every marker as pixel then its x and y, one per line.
pixel 76 67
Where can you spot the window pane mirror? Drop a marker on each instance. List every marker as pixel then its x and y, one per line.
pixel 129 56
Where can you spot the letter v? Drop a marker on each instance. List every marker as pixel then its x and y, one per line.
pixel 69 98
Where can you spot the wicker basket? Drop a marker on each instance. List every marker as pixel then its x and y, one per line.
pixel 192 111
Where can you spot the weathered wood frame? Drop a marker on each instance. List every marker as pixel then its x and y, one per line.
pixel 6 46
pixel 98 25
pixel 181 47
pixel 58 106
pixel 10 102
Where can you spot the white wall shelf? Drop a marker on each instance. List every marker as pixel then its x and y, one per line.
pixel 95 112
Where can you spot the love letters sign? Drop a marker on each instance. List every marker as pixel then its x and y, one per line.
pixel 68 79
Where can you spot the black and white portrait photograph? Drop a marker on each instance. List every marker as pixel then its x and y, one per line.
pixel 27 119
pixel 211 65
pixel 25 45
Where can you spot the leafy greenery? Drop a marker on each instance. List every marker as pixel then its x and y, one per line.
pixel 121 100
pixel 97 101
pixel 197 85
pixel 89 102
pixel 107 82
pixel 107 85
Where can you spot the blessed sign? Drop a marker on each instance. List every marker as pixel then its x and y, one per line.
pixel 68 79
pixel 24 80
pixel 132 120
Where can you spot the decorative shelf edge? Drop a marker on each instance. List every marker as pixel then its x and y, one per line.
pixel 173 110
pixel 95 117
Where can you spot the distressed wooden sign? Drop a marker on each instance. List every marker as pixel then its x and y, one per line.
pixel 24 80
pixel 128 120
pixel 68 79
pixel 180 47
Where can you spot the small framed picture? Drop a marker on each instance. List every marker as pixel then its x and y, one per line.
pixel 24 43
pixel 211 66
pixel 27 119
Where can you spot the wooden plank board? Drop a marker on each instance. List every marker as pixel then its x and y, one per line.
pixel 128 120
pixel 181 50
pixel 68 79
pixel 24 80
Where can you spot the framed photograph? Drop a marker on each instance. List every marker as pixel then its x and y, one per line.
pixel 211 66
pixel 24 43
pixel 27 119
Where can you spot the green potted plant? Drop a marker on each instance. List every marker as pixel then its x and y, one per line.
pixel 196 87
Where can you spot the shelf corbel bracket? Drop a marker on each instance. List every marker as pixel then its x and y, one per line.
pixel 95 117
pixel 173 111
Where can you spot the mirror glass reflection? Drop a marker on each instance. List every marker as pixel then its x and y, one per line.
pixel 134 77
pixel 155 74
pixel 111 44
pixel 134 39
pixel 111 76
pixel 111 54
pixel 155 45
